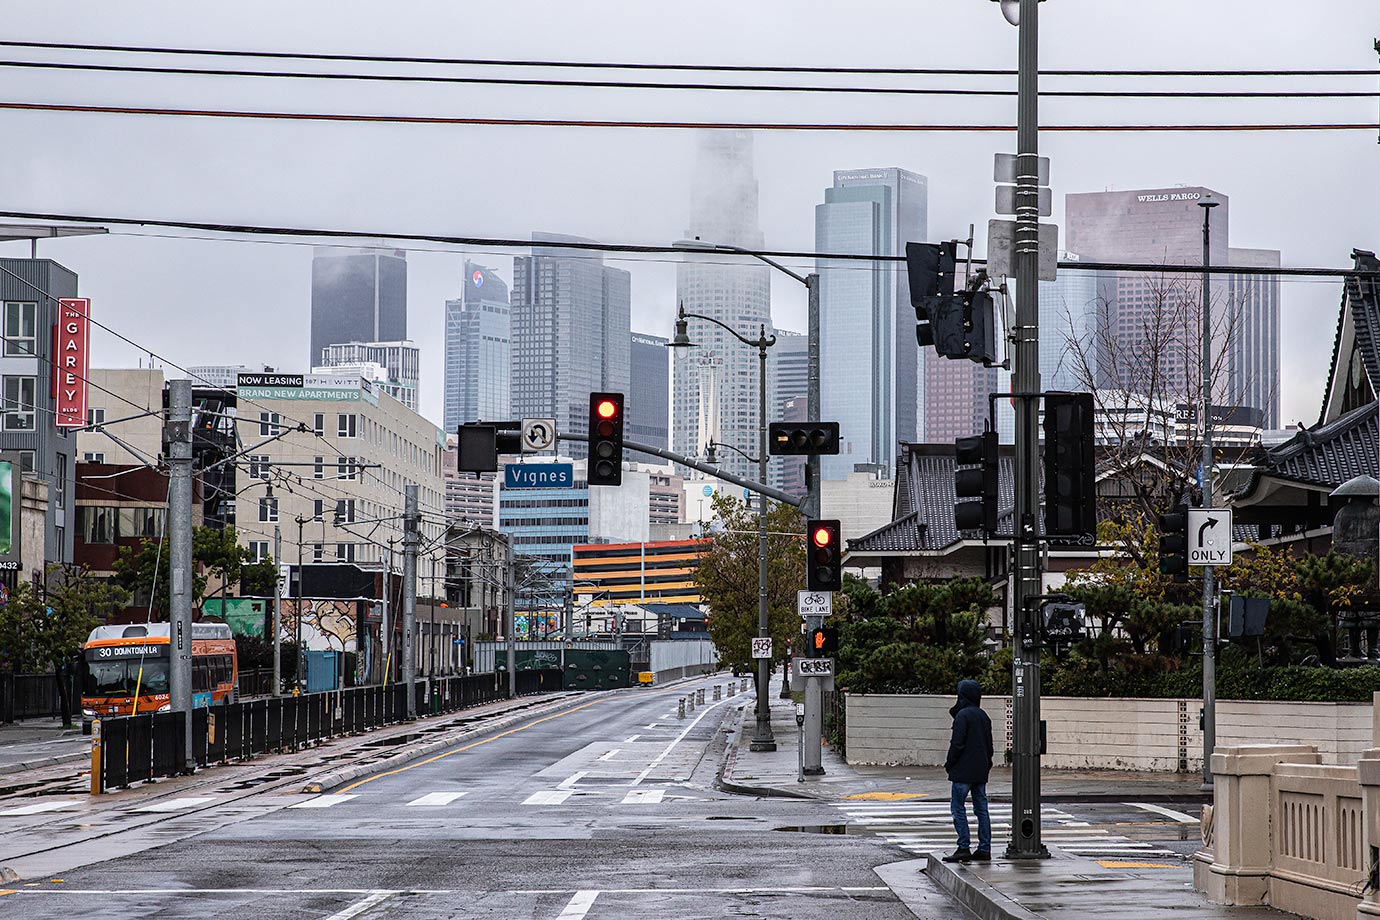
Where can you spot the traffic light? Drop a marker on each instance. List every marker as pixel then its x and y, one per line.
pixel 803 438
pixel 975 479
pixel 605 439
pixel 822 642
pixel 961 325
pixel 823 556
pixel 1070 489
pixel 482 443
pixel 930 269
pixel 1174 544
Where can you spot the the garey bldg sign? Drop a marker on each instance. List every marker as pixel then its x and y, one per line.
pixel 71 361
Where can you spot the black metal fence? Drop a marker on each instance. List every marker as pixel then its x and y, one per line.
pixel 35 696
pixel 135 748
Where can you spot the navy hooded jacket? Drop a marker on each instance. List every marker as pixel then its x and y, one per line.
pixel 970 749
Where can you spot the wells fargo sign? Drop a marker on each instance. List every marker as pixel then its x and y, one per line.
pixel 72 361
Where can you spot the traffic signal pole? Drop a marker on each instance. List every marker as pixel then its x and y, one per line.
pixel 179 438
pixel 1025 677
pixel 1209 616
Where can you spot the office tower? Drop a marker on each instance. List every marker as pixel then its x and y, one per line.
pixel 571 333
pixel 1149 322
pixel 649 395
pixel 715 389
pixel 394 366
pixel 1068 329
pixel 357 295
pixel 478 350
pixel 957 404
pixel 788 381
pixel 866 321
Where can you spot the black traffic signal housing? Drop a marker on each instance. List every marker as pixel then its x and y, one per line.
pixel 1070 486
pixel 803 438
pixel 822 642
pixel 605 439
pixel 1174 544
pixel 930 269
pixel 958 325
pixel 480 445
pixel 823 556
pixel 975 482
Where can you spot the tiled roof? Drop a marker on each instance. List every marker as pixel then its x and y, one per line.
pixel 1360 305
pixel 1329 455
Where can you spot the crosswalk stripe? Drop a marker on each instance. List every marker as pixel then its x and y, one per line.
pixel 38 808
pixel 436 798
pixel 548 797
pixel 175 804
pixel 644 797
pixel 326 801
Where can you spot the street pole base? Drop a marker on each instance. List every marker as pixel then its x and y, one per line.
pixel 1206 787
pixel 785 691
pixel 814 771
pixel 1013 853
pixel 762 747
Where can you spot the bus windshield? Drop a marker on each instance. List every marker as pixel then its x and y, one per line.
pixel 119 678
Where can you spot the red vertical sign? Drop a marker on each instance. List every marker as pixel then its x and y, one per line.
pixel 72 361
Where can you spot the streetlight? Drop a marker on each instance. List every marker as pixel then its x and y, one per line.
pixel 811 281
pixel 1207 203
pixel 762 739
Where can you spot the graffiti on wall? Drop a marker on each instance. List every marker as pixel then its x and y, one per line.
pixel 326 623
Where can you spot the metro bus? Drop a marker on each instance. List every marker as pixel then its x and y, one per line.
pixel 127 668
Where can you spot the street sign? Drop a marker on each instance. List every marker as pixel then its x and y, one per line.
pixel 538 476
pixel 284 578
pixel 1209 536
pixel 1004 168
pixel 1001 248
pixel 761 647
pixel 814 603
pixel 538 434
pixel 821 669
pixel 1006 200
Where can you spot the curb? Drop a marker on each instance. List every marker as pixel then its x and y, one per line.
pixel 500 720
pixel 55 760
pixel 1204 798
pixel 986 902
pixel 724 783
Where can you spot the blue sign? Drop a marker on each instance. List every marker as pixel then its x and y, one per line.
pixel 538 476
pixel 708 491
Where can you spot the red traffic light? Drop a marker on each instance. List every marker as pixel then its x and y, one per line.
pixel 823 536
pixel 819 639
pixel 606 408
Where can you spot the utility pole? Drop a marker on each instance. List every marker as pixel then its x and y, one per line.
pixel 812 498
pixel 1209 615
pixel 300 685
pixel 409 599
pixel 762 738
pixel 178 434
pixel 278 612
pixel 385 630
pixel 509 618
pixel 1025 768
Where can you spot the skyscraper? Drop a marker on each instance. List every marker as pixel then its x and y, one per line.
pixel 1068 329
pixel 866 323
pixel 788 381
pixel 357 295
pixel 571 332
pixel 1253 349
pixel 395 366
pixel 478 350
pixel 715 386
pixel 649 394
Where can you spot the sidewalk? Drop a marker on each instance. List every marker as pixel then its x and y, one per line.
pixel 1063 887
pixel 37 743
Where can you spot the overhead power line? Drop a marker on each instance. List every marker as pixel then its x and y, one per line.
pixel 637 65
pixel 694 87
pixel 585 246
pixel 690 125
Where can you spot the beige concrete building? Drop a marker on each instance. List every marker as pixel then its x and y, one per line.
pixel 138 389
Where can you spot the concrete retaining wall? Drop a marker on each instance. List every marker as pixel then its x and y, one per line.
pixel 675 658
pixel 1100 733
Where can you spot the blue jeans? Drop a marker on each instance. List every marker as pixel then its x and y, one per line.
pixel 958 796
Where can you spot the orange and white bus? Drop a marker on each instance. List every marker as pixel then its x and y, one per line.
pixel 127 668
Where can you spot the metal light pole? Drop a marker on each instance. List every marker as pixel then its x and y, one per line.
pixel 278 612
pixel 1207 203
pixel 1025 767
pixel 297 615
pixel 409 599
pixel 762 738
pixel 179 438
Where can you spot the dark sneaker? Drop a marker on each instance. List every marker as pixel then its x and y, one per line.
pixel 960 855
pixel 981 856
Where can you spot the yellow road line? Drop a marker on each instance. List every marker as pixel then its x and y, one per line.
pixel 884 796
pixel 460 750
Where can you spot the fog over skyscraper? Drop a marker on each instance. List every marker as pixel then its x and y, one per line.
pixel 478 350
pixel 357 295
pixel 715 386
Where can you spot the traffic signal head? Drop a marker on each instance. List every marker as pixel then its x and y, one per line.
pixel 975 482
pixel 1174 544
pixel 1070 490
pixel 930 270
pixel 605 439
pixel 823 556
pixel 803 438
pixel 481 444
pixel 821 642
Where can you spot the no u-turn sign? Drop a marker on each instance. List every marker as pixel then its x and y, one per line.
pixel 1209 536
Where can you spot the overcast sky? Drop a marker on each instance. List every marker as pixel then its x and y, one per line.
pixel 1314 196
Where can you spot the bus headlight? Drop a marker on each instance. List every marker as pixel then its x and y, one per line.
pixel 88 713
pixel 166 707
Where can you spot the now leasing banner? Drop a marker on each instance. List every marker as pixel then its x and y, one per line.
pixel 72 361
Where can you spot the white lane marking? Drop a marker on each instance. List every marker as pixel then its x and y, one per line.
pixel 644 797
pixel 653 725
pixel 38 808
pixel 579 905
pixel 1167 812
pixel 359 907
pixel 326 801
pixel 436 798
pixel 631 738
pixel 175 804
pixel 678 739
pixel 572 779
pixel 548 797
pixel 608 755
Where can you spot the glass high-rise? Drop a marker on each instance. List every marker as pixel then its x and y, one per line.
pixel 571 333
pixel 357 295
pixel 478 350
pixel 1068 329
pixel 649 395
pixel 868 353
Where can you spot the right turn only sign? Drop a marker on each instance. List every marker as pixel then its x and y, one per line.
pixel 1209 536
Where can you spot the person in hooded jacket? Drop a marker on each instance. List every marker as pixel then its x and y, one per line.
pixel 968 764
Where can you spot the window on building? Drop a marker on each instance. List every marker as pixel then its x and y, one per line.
pixel 21 327
pixel 269 423
pixel 318 509
pixel 60 482
pixel 319 468
pixel 318 424
pixel 345 468
pixel 318 552
pixel 258 549
pixel 93 456
pixel 268 510
pixel 26 461
pixel 98 523
pixel 141 522
pixel 345 511
pixel 259 466
pixel 345 552
pixel 95 416
pixel 345 425
pixel 19 403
